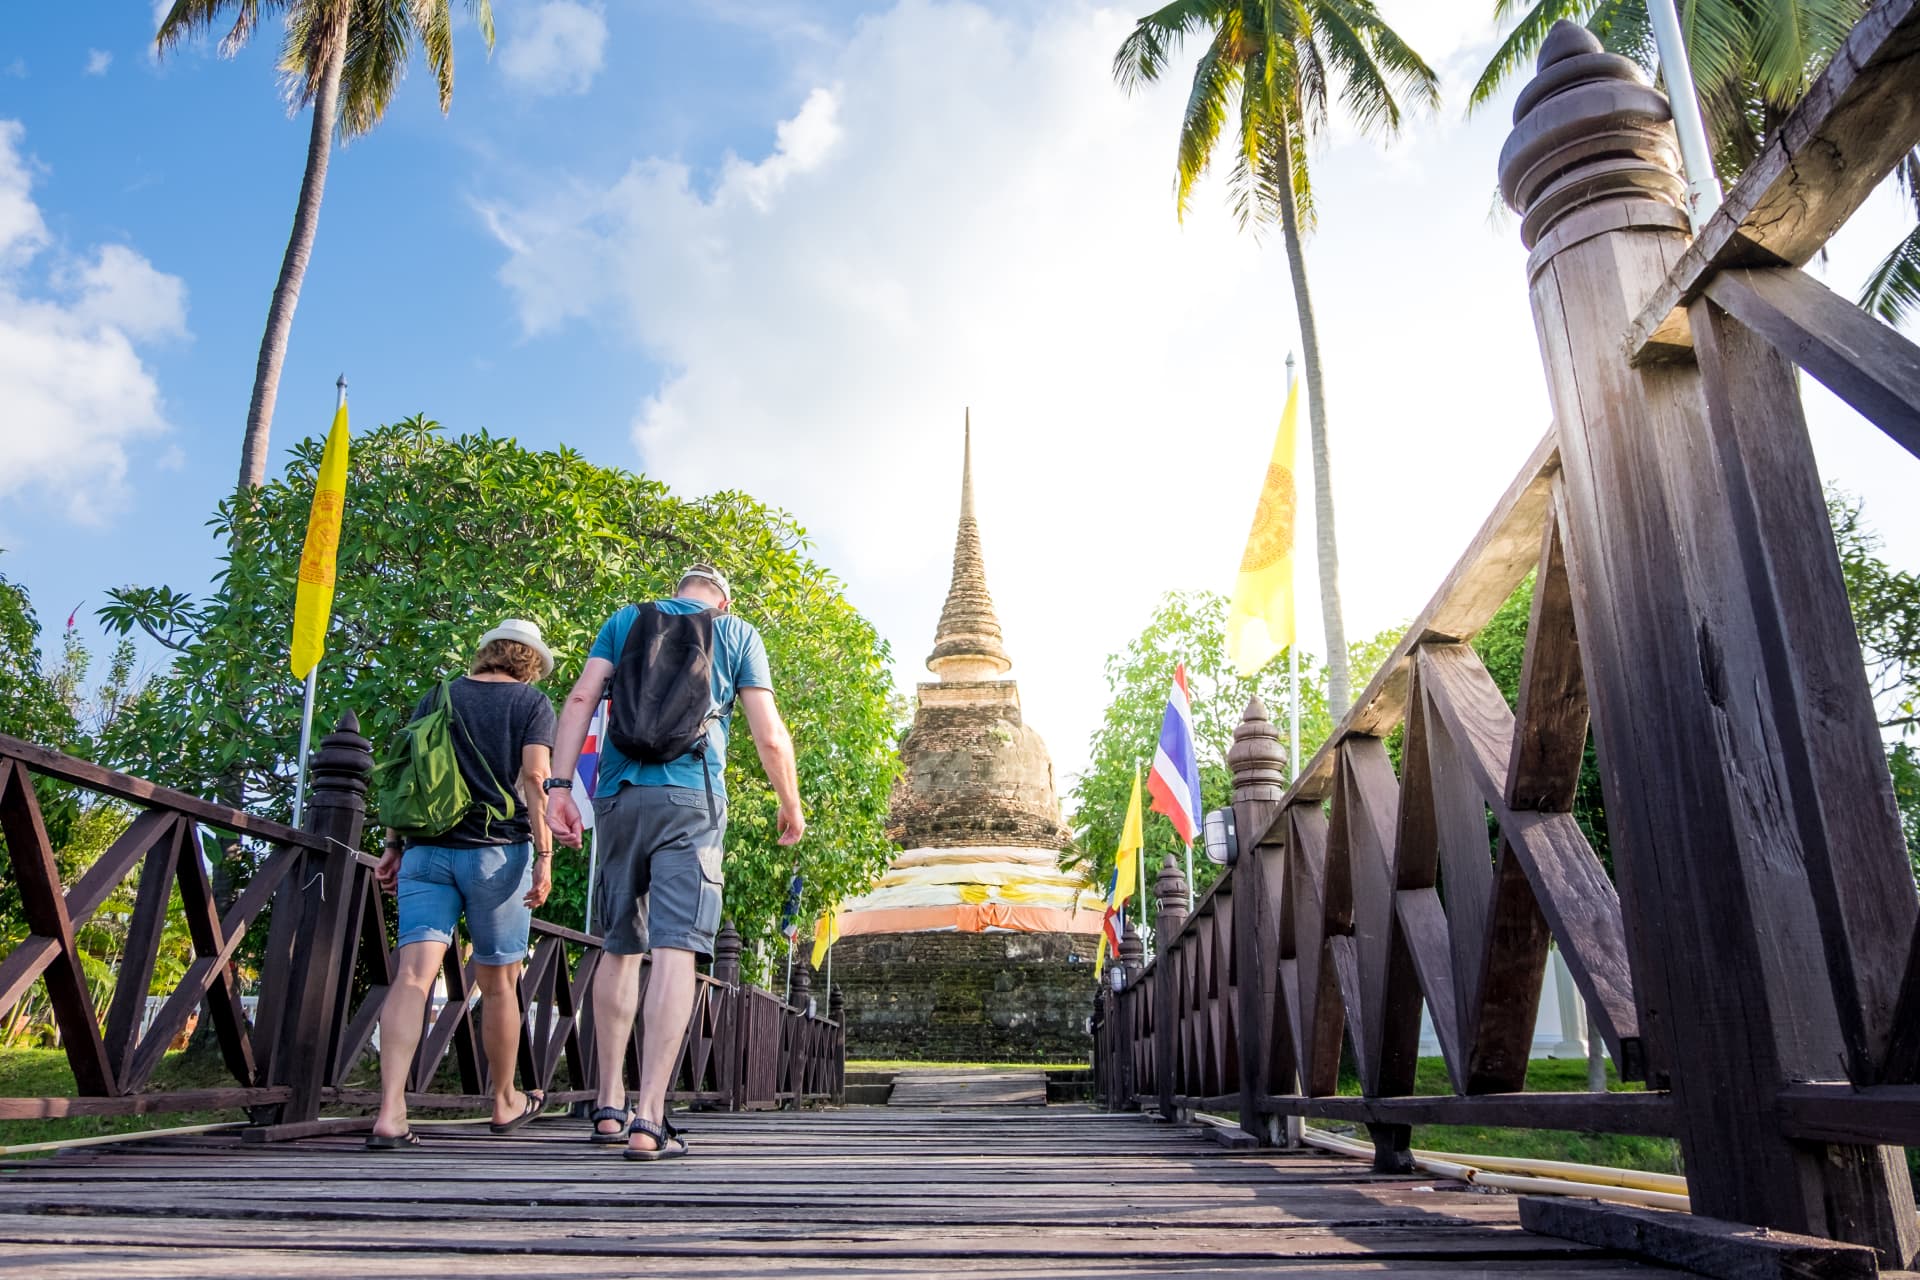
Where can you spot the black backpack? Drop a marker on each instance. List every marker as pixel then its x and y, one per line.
pixel 661 700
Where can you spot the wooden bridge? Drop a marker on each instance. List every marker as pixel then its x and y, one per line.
pixel 1751 955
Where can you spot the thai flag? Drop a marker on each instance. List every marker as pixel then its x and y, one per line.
pixel 1174 781
pixel 586 770
pixel 1111 924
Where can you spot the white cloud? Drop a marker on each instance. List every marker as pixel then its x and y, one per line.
pixel 991 223
pixel 98 60
pixel 77 391
pixel 560 48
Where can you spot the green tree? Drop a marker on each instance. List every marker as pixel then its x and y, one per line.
pixel 1752 60
pixel 1186 628
pixel 342 58
pixel 1274 68
pixel 441 538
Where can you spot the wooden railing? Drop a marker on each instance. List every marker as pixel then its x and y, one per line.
pixel 1754 956
pixel 326 969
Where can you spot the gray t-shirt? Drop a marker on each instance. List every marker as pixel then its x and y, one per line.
pixel 493 720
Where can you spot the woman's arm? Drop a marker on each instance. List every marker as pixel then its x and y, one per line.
pixel 536 766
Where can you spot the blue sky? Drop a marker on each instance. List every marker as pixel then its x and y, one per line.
pixel 780 246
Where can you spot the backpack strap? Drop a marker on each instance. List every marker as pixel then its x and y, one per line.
pixel 453 714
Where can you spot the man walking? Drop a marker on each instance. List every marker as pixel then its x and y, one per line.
pixel 673 670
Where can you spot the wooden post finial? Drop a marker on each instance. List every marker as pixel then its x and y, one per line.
pixel 1133 953
pixel 1170 889
pixel 1259 764
pixel 1588 131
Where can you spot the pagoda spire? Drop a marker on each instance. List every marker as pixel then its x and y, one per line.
pixel 966 644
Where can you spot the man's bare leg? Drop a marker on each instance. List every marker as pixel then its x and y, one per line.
pixel 670 991
pixel 500 1030
pixel 402 1020
pixel 616 998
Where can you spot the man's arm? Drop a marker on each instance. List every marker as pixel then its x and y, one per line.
pixel 775 745
pixel 576 713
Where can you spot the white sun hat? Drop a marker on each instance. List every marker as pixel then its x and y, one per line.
pixel 526 633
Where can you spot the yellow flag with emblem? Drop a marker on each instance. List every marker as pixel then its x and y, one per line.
pixel 1260 622
pixel 826 932
pixel 1126 870
pixel 313 598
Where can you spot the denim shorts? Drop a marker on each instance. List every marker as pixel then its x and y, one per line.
pixel 488 884
pixel 659 879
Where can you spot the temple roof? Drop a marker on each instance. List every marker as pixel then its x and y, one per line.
pixel 966 644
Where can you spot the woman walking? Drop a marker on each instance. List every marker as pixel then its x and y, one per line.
pixel 494 866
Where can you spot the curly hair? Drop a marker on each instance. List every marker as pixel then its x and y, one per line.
pixel 509 658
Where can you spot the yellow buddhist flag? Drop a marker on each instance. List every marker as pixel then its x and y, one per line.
pixel 1126 872
pixel 313 599
pixel 1260 623
pixel 826 932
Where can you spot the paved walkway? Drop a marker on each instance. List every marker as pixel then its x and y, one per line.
pixel 1053 1192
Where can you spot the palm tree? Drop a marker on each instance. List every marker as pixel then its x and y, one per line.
pixel 1753 61
pixel 1274 64
pixel 343 58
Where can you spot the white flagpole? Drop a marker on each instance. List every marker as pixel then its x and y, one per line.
pixel 313 672
pixel 306 740
pixel 1293 645
pixel 1140 861
pixel 593 860
pixel 1696 156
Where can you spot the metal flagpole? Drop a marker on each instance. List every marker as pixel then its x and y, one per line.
pixel 1293 645
pixel 1696 156
pixel 306 740
pixel 313 672
pixel 1140 861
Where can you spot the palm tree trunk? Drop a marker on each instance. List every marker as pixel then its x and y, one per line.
pixel 1338 694
pixel 293 267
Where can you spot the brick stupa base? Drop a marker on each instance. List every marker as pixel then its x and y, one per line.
pixel 967 997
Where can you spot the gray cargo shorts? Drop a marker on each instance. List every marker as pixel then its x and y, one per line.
pixel 659 879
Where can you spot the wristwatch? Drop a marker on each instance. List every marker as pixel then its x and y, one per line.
pixel 559 784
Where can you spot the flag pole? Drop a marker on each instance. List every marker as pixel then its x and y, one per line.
pixel 1293 648
pixel 313 673
pixel 1696 156
pixel 1140 861
pixel 593 857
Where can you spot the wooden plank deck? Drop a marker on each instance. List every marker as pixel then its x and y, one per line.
pixel 1060 1192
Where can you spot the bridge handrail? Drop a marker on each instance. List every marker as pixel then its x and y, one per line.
pixel 326 970
pixel 1757 942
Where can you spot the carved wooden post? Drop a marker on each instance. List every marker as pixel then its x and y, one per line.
pixel 1126 1008
pixel 1259 781
pixel 337 812
pixel 730 1033
pixel 837 1010
pixel 1170 891
pixel 800 1032
pixel 1723 781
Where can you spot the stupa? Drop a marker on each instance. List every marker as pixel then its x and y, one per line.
pixel 975 945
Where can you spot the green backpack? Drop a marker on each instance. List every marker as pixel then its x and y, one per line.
pixel 417 784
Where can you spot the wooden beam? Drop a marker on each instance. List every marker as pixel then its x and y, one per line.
pixel 1550 722
pixel 140 1104
pixel 1705 1246
pixel 1865 362
pixel 1494 563
pixel 1883 1114
pixel 139 791
pixel 1649 1114
pixel 1849 131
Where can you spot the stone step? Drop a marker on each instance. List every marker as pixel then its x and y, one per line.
pixel 969 1088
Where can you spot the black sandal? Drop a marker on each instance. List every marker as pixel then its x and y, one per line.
pixel 408 1141
pixel 662 1134
pixel 623 1114
pixel 536 1103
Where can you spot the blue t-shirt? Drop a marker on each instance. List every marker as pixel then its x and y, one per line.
pixel 739 662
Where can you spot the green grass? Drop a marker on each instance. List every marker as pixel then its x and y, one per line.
pixel 43 1073
pixel 1548 1075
